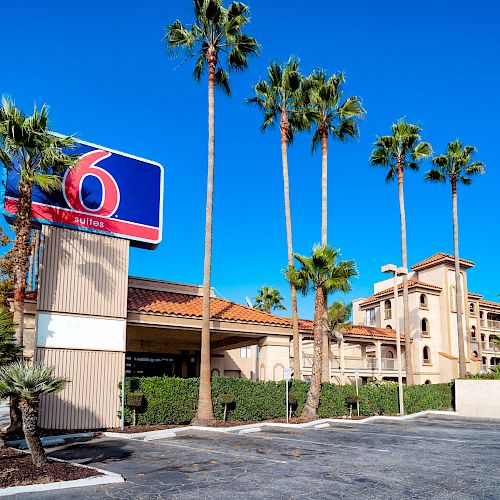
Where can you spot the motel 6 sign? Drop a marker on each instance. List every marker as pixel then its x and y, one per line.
pixel 107 192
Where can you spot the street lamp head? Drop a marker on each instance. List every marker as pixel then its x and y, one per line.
pixel 402 271
pixel 389 268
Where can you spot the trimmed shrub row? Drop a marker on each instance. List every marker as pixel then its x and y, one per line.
pixel 170 400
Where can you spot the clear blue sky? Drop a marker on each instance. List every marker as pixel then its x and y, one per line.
pixel 103 69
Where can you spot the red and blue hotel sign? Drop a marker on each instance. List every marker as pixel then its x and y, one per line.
pixel 107 192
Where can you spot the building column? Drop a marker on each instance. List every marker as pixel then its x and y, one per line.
pixel 341 362
pixel 378 355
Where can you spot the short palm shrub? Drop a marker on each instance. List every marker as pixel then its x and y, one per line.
pixel 28 382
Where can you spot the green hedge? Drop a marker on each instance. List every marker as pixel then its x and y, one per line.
pixel 170 400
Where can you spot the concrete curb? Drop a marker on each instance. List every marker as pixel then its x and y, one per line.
pixel 106 478
pixel 52 440
pixel 247 428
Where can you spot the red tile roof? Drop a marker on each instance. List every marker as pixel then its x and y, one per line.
pixel 447 356
pixel 438 258
pixel 490 303
pixel 371 331
pixel 181 304
pixel 474 295
pixel 411 283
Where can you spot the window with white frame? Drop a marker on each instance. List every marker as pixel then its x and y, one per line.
pixel 370 316
pixel 387 309
pixel 245 352
pixel 425 330
pixel 423 301
pixel 426 356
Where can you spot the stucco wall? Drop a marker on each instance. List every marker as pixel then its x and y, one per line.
pixel 478 398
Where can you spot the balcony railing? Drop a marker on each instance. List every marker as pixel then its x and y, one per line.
pixel 491 323
pixel 352 363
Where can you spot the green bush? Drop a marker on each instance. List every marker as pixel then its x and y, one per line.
pixel 493 375
pixel 170 400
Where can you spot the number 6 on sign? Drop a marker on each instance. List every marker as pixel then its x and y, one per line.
pixel 73 182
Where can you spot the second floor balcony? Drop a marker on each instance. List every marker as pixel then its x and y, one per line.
pixel 493 324
pixel 351 363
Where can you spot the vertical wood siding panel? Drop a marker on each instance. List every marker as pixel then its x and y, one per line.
pixel 83 273
pixel 90 401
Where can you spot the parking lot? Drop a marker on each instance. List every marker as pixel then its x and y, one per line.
pixel 428 457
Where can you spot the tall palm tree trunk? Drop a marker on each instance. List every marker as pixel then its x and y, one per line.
pixel 22 250
pixel 312 402
pixel 404 258
pixel 288 221
pixel 325 349
pixel 205 410
pixel 324 189
pixel 458 284
pixel 29 408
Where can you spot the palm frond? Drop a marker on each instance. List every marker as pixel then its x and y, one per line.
pixel 222 80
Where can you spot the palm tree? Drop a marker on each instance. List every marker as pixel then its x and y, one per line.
pixel 338 317
pixel 281 99
pixel 217 31
pixel 269 299
pixel 323 273
pixel 399 151
pixel 36 156
pixel 28 382
pixel 335 117
pixel 457 166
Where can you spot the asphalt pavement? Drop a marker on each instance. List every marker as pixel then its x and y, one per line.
pixel 429 457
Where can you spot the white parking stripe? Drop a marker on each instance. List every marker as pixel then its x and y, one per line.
pixel 209 450
pixel 404 436
pixel 320 443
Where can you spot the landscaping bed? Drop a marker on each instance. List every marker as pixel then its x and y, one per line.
pixel 17 469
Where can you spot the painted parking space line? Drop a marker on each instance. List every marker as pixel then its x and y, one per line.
pixel 403 436
pixel 211 450
pixel 307 441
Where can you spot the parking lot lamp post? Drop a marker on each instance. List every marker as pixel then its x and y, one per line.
pixel 397 271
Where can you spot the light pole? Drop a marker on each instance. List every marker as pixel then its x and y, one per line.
pixel 397 271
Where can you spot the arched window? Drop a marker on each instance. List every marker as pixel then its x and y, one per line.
pixel 473 333
pixel 388 310
pixel 423 301
pixel 389 327
pixel 428 382
pixel 427 356
pixel 425 330
pixel 472 309
pixel 474 353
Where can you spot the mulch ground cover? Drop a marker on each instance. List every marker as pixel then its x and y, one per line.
pixel 17 469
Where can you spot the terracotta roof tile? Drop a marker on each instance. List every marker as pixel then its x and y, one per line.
pixel 411 283
pixel 440 257
pixel 447 356
pixel 371 331
pixel 490 303
pixel 180 304
pixel 474 295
